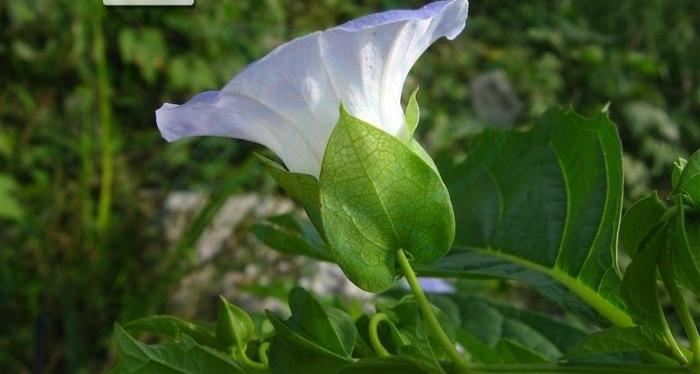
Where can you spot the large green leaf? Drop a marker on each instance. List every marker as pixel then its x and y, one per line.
pixel 543 206
pixel 183 357
pixel 378 195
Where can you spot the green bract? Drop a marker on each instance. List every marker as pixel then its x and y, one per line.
pixel 378 196
pixel 234 327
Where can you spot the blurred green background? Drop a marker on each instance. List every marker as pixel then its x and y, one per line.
pixel 101 220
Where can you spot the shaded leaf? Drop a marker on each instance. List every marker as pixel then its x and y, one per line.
pixel 640 288
pixel 388 365
pixel 302 187
pixel 500 328
pixel 184 357
pixel 641 217
pixel 684 248
pixel 616 339
pixel 174 328
pixel 313 339
pixel 290 234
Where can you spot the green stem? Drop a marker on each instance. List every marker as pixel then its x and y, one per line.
pixel 262 352
pixel 247 361
pixel 682 310
pixel 374 336
pixel 427 312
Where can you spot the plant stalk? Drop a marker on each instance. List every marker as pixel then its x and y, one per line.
pixel 427 312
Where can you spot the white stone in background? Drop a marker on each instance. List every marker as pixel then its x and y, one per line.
pixel 182 206
pixel 494 99
pixel 179 208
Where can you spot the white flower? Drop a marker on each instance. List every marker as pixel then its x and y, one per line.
pixel 289 100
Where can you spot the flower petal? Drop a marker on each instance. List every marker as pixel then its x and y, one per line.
pixel 289 100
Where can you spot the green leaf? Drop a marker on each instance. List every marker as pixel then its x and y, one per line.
pixel 616 339
pixel 543 207
pixel 302 187
pixel 511 351
pixel 502 331
pixel 419 345
pixel 683 248
pixel 640 288
pixel 184 357
pixel 313 340
pixel 388 365
pixel 289 234
pixel 174 328
pixel 641 217
pixel 234 327
pixel 293 353
pixel 412 113
pixel 328 326
pixel 689 180
pixel 378 196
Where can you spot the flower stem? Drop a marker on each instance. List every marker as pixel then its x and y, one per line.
pixel 374 337
pixel 428 315
pixel 682 310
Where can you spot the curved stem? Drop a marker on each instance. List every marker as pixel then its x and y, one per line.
pixel 427 312
pixel 682 310
pixel 247 361
pixel 374 336
pixel 262 352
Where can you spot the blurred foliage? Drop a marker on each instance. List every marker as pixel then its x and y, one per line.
pixel 85 172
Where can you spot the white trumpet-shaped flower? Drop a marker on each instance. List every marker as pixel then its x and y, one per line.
pixel 289 100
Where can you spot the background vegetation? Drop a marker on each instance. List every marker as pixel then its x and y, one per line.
pixel 86 178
